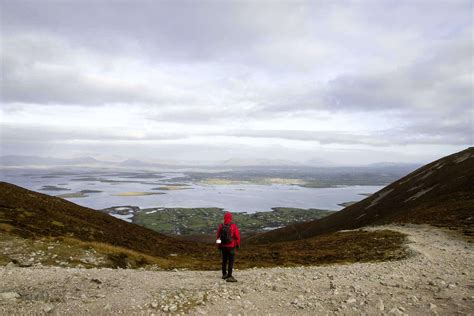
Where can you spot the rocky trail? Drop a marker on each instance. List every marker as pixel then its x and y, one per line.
pixel 437 279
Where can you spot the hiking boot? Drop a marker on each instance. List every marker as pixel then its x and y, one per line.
pixel 231 279
pixel 225 276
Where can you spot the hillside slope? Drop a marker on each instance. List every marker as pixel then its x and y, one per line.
pixel 440 193
pixel 31 214
pixel 45 226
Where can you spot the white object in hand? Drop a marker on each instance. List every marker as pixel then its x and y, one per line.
pixel 218 241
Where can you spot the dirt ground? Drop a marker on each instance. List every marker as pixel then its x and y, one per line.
pixel 438 278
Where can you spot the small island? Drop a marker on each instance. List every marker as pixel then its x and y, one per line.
pixel 137 193
pixel 53 188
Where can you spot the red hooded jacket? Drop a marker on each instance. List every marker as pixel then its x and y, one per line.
pixel 234 231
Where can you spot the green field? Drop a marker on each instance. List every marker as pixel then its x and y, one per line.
pixel 190 221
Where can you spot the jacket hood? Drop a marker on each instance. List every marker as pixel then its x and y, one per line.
pixel 227 218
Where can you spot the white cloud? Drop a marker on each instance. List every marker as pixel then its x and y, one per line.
pixel 305 76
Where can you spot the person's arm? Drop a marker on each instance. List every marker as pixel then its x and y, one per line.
pixel 237 237
pixel 219 231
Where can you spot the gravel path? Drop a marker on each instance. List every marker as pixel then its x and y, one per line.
pixel 437 279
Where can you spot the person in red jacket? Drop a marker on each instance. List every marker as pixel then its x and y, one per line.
pixel 228 239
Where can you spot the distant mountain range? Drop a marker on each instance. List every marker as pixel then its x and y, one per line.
pixel 440 193
pixel 14 160
pixel 27 161
pixel 239 162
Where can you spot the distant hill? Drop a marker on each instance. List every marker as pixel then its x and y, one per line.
pixel 240 162
pixel 440 193
pixel 394 165
pixel 136 163
pixel 313 164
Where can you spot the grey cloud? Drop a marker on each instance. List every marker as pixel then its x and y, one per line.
pixel 237 31
pixel 171 30
pixel 438 83
pixel 248 35
pixel 433 135
pixel 432 97
pixel 39 86
pixel 38 71
pixel 249 60
pixel 428 84
pixel 453 136
pixel 44 134
pixel 194 116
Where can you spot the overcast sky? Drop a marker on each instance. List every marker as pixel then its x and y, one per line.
pixel 347 82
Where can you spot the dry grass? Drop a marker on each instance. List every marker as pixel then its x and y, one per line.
pixel 129 257
pixel 347 247
pixel 72 253
pixel 341 247
pixel 6 227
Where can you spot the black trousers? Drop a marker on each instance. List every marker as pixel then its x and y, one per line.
pixel 228 256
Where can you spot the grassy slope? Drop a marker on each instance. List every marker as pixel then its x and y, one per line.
pixel 36 216
pixel 448 201
pixel 32 215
